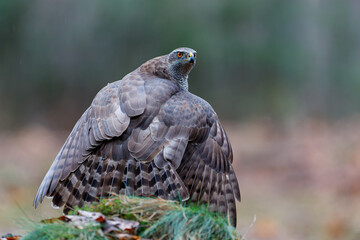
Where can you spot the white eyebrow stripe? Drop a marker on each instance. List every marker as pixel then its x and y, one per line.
pixel 184 49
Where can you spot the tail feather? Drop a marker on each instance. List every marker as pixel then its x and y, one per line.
pixel 129 178
pixel 65 188
pixel 159 188
pixel 58 196
pixel 105 171
pixel 77 196
pixel 98 177
pixel 107 178
pixel 74 197
pixel 142 180
pixel 117 178
pixel 173 184
pixel 90 190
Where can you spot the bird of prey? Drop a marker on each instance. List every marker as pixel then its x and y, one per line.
pixel 146 135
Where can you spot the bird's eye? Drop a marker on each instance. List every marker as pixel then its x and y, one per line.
pixel 180 54
pixel 194 55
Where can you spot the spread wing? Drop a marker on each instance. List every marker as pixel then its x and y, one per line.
pixel 205 166
pixel 208 174
pixel 114 147
pixel 196 144
pixel 107 117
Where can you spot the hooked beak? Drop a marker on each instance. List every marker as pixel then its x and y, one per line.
pixel 191 58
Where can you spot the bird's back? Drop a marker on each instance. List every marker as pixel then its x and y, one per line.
pixel 145 136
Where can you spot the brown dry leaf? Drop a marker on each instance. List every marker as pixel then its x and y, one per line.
pixel 51 220
pixel 110 225
pixel 9 236
pixel 82 221
pixel 96 216
pixel 100 219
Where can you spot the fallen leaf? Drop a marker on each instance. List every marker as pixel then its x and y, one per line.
pixel 81 221
pixel 9 236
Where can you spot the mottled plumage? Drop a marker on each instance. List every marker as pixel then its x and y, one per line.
pixel 146 135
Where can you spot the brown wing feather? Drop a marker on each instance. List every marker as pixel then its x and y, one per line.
pixel 111 131
pixel 208 174
pixel 197 145
pixel 106 118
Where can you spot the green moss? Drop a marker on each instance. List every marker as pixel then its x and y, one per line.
pixel 59 230
pixel 158 219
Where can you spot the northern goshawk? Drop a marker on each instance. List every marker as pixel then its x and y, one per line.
pixel 147 135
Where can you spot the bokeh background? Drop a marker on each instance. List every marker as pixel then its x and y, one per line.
pixel 283 76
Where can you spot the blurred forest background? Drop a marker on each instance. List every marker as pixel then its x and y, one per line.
pixel 283 76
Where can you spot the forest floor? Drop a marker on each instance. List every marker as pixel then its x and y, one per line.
pixel 300 180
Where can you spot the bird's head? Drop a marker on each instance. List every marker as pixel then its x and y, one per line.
pixel 174 66
pixel 181 61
